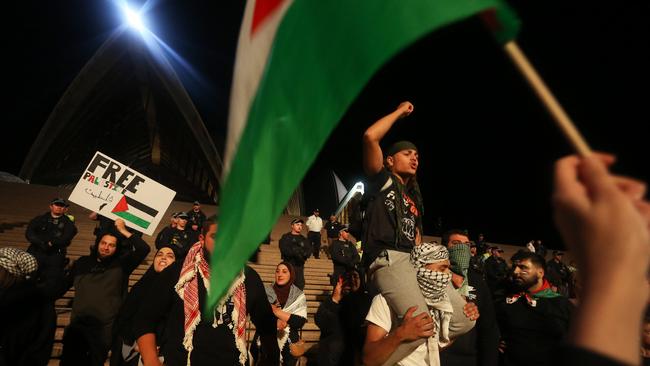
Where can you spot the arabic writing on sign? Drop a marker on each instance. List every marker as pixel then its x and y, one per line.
pixel 108 197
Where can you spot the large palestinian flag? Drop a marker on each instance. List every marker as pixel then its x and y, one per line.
pixel 300 63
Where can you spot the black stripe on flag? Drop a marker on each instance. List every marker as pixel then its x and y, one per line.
pixel 141 206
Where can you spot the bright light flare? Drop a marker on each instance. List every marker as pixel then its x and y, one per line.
pixel 133 18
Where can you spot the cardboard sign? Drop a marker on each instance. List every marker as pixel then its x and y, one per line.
pixel 116 191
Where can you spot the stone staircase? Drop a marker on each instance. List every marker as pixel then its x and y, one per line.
pixel 22 202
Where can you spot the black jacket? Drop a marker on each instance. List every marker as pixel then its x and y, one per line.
pixel 533 334
pixel 180 240
pixel 295 249
pixel 342 328
pixel 344 256
pixel 479 345
pixel 101 285
pixel 49 234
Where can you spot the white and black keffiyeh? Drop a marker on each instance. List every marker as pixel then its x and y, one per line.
pixel 18 262
pixel 296 304
pixel 433 285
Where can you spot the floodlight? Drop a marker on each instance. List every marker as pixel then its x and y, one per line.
pixel 133 18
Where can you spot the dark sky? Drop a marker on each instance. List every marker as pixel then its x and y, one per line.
pixel 487 146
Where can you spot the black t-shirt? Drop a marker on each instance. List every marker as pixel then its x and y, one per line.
pixel 382 231
pixel 332 229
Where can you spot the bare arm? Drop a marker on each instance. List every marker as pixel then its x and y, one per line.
pixel 373 159
pixel 380 344
pixel 121 227
pixel 148 351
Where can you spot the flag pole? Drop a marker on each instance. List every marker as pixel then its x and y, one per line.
pixel 562 120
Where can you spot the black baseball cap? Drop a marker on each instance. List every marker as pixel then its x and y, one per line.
pixel 298 220
pixel 59 202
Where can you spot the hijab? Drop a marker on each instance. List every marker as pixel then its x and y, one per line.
pixel 282 291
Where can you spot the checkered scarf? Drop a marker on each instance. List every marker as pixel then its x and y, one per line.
pixel 433 285
pixel 187 287
pixel 18 262
pixel 460 256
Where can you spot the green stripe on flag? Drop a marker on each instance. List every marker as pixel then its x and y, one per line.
pixel 133 219
pixel 324 54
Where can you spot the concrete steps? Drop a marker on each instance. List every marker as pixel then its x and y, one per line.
pixel 22 202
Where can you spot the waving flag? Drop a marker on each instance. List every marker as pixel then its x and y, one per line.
pixel 300 63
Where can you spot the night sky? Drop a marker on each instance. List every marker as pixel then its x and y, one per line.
pixel 486 144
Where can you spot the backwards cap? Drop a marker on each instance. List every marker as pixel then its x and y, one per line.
pixel 399 146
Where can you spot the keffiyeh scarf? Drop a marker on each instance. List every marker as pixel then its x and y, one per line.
pixel 459 255
pixel 433 285
pixel 296 304
pixel 187 287
pixel 18 262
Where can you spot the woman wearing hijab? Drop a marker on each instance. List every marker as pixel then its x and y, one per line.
pixel 125 351
pixel 289 307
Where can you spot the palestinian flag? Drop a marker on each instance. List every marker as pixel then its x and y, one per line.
pixel 299 65
pixel 134 211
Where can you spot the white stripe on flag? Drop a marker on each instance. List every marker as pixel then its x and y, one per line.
pixel 252 54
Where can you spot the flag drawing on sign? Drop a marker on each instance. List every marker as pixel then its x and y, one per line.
pixel 134 211
pixel 299 65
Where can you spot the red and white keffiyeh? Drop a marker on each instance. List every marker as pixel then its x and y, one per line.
pixel 187 288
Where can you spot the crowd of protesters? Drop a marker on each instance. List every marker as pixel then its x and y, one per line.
pixel 398 301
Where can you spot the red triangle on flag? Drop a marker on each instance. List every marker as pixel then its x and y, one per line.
pixel 263 9
pixel 121 205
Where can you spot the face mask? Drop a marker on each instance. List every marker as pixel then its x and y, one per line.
pixel 432 284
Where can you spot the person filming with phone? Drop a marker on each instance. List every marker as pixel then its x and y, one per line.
pixel 341 319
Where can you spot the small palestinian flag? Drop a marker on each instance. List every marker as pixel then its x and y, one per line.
pixel 135 212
